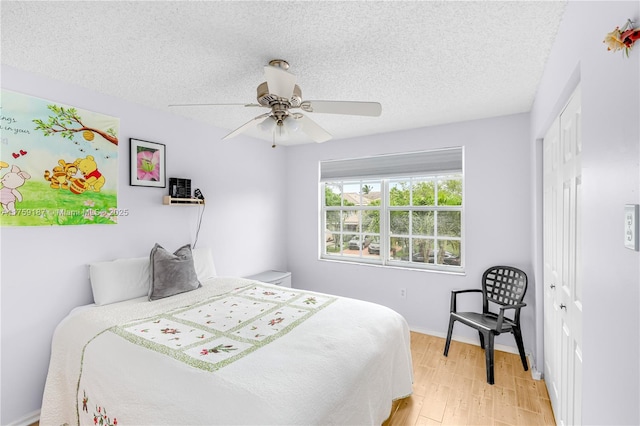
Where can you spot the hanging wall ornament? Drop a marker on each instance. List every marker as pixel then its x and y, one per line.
pixel 622 38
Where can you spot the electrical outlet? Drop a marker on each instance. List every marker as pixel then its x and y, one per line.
pixel 403 293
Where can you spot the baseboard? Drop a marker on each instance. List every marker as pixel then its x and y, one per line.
pixel 535 374
pixel 27 420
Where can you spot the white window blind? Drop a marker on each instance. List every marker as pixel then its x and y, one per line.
pixel 421 163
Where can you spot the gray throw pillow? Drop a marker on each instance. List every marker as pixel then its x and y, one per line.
pixel 171 274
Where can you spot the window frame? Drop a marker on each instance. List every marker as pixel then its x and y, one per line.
pixel 342 232
pixel 384 232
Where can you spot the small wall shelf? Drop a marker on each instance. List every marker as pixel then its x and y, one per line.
pixel 168 200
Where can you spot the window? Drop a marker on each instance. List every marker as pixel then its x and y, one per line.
pixel 395 210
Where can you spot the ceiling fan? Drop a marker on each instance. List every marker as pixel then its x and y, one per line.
pixel 281 94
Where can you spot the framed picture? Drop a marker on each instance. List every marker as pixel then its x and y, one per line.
pixel 148 163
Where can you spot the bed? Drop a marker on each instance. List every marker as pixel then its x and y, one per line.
pixel 229 351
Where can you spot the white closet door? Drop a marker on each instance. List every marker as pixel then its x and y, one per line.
pixel 551 225
pixel 562 263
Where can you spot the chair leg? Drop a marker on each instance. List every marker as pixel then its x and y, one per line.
pixel 481 339
pixel 518 335
pixel 446 345
pixel 488 354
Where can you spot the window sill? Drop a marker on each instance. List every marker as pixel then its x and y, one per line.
pixel 460 271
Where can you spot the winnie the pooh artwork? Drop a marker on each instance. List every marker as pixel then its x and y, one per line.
pixel 61 175
pixel 89 168
pixel 59 164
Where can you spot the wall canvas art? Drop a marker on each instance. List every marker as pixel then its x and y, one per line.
pixel 58 163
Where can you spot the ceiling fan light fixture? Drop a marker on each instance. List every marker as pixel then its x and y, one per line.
pixel 291 124
pixel 267 125
pixel 281 132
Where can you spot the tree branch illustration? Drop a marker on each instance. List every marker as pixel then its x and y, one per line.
pixel 66 122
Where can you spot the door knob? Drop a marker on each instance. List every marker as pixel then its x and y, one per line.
pixel 563 306
pixel 552 286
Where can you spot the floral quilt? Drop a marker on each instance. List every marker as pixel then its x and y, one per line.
pixel 218 331
pixel 235 351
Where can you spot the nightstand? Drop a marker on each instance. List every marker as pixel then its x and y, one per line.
pixel 280 278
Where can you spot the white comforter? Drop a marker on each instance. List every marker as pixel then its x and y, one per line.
pixel 232 352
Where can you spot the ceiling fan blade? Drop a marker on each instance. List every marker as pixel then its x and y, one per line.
pixel 251 123
pixel 372 109
pixel 312 129
pixel 236 104
pixel 279 81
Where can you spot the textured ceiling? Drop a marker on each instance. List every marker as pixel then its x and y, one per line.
pixel 426 62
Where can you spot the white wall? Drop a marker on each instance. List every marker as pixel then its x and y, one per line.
pixel 44 273
pixel 497 209
pixel 610 86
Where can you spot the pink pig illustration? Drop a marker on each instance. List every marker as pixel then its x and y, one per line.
pixel 9 194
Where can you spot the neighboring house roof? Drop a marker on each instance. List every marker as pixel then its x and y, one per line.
pixel 353 197
pixel 365 200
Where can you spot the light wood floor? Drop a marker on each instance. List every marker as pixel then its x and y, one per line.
pixel 453 390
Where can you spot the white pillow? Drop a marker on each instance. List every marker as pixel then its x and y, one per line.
pixel 203 262
pixel 119 280
pixel 124 279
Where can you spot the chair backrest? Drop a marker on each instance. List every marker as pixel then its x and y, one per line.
pixel 504 285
